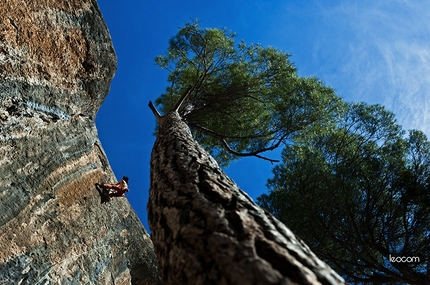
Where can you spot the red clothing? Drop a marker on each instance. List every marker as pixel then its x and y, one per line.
pixel 120 188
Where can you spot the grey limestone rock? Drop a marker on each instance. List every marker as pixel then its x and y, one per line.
pixel 56 65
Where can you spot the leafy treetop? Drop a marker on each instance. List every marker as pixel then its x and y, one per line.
pixel 239 99
pixel 358 194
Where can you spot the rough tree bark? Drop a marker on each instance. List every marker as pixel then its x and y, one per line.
pixel 206 230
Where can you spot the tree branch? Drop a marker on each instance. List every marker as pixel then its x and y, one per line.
pixel 254 153
pixel 154 111
pixel 229 149
pixel 182 99
pixel 218 135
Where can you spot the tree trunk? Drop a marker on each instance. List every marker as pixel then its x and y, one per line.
pixel 206 230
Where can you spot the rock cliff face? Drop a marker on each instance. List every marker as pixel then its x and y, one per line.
pixel 56 64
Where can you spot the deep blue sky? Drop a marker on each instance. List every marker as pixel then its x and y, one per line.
pixel 368 51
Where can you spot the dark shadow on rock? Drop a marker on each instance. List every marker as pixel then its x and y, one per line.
pixel 103 192
pixel 140 275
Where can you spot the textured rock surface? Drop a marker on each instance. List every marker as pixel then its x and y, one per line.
pixel 207 231
pixel 56 64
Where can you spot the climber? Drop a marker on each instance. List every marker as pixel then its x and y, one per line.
pixel 119 188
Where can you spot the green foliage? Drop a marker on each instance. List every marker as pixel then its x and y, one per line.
pixel 241 99
pixel 357 194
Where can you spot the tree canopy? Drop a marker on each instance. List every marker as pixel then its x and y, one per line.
pixel 359 195
pixel 239 99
